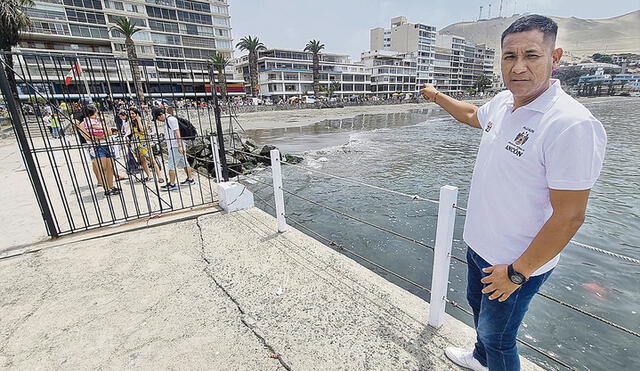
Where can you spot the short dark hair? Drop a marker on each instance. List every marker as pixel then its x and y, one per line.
pixel 90 110
pixel 533 22
pixel 157 112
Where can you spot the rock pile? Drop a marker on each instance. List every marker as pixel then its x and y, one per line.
pixel 241 157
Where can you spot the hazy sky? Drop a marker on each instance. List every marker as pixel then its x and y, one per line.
pixel 343 25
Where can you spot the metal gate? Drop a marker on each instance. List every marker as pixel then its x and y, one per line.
pixel 82 182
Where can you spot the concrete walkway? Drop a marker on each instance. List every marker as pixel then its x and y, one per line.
pixel 218 292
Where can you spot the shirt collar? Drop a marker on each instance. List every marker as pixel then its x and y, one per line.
pixel 545 100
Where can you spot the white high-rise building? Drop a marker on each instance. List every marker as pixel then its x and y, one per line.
pixel 459 64
pixel 177 35
pixel 286 73
pixel 409 38
pixel 392 73
pixel 448 61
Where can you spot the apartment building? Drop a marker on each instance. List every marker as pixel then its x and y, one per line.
pixel 283 74
pixel 409 38
pixel 392 74
pixel 458 63
pixel 448 61
pixel 176 38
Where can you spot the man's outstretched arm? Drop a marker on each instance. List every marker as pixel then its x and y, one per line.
pixel 464 112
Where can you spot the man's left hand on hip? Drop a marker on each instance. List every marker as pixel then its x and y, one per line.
pixel 498 283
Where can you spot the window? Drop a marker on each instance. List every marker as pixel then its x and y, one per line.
pixel 87 31
pixel 224 44
pixel 136 21
pixel 192 29
pixel 163 51
pixel 138 36
pixel 110 4
pixel 220 9
pixel 163 26
pixel 199 42
pixel 196 53
pixel 85 17
pixel 133 8
pixel 49 28
pixel 48 12
pixel 92 4
pixel 194 17
pixel 140 49
pixel 193 5
pixel 289 87
pixel 161 13
pixel 220 21
pixel 170 3
pixel 165 39
pixel 222 32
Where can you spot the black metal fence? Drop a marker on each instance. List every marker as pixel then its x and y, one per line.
pixel 82 179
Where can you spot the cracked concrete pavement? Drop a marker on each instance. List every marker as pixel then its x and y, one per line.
pixel 220 292
pixel 135 300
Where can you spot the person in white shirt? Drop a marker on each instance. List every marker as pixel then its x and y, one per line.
pixel 541 152
pixel 176 149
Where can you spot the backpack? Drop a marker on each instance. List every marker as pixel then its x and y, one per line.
pixel 187 130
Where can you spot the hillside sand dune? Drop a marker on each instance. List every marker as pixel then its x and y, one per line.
pixel 578 37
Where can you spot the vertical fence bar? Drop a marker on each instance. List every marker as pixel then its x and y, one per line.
pixel 216 158
pixel 219 132
pixel 16 120
pixel 277 189
pixel 442 254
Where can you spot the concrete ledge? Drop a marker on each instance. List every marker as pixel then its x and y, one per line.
pixel 320 309
pixel 219 292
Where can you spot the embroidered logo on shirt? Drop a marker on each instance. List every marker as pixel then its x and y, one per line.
pixel 515 146
pixel 521 139
pixel 489 126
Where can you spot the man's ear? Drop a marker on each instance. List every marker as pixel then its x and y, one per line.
pixel 557 54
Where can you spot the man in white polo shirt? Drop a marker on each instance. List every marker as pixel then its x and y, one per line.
pixel 540 154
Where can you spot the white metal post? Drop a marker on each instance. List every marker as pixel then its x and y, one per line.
pixel 442 254
pixel 216 158
pixel 277 189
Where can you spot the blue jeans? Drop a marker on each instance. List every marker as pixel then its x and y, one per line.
pixel 497 323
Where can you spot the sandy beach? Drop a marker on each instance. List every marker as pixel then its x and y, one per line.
pixel 303 117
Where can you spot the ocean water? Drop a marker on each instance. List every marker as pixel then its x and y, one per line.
pixel 417 152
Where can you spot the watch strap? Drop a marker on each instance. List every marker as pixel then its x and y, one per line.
pixel 512 272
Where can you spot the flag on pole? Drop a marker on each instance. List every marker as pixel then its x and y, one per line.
pixel 75 72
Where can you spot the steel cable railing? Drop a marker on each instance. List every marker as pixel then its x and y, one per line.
pixel 549 297
pixel 404 279
pixel 350 180
pixel 420 198
pixel 342 247
pixel 415 241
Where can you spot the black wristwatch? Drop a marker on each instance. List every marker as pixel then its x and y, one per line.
pixel 515 277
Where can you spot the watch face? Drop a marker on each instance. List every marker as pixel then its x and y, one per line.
pixel 515 278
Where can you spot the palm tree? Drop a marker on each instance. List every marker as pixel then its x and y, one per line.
pixel 220 63
pixel 128 29
pixel 13 20
pixel 482 82
pixel 314 46
pixel 253 46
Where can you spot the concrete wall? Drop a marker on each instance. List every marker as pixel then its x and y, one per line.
pixel 376 38
pixel 404 38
